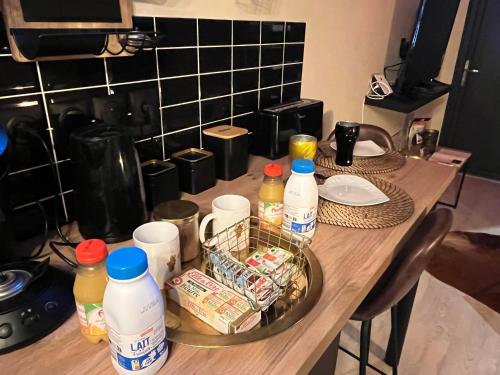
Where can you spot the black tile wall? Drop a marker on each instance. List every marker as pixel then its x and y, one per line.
pixel 204 73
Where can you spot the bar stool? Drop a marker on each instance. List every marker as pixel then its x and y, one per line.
pixel 374 133
pixel 397 281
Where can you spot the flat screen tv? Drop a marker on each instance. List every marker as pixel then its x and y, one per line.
pixel 428 44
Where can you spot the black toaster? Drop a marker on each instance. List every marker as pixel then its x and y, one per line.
pixel 272 127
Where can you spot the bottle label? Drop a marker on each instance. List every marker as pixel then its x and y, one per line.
pixel 136 352
pixel 299 220
pixel 91 317
pixel 271 212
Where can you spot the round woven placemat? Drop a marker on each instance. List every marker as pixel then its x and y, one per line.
pixel 397 210
pixel 390 161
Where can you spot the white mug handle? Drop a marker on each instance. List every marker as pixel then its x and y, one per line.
pixel 203 225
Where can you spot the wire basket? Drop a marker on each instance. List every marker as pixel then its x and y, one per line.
pixel 258 260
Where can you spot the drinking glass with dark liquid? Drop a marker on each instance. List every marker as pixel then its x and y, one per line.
pixel 346 134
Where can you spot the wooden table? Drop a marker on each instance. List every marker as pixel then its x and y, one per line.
pixel 352 260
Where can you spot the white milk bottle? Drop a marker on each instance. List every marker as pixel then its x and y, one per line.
pixel 134 314
pixel 301 199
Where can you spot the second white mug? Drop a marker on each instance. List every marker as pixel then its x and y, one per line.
pixel 160 241
pixel 228 210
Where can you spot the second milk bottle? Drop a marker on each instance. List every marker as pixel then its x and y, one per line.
pixel 301 199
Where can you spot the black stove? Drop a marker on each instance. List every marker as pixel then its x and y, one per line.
pixel 35 299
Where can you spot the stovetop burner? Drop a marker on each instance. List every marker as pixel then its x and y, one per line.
pixel 35 299
pixel 13 282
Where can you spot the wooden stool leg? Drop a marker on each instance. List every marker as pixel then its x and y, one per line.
pixel 394 334
pixel 364 350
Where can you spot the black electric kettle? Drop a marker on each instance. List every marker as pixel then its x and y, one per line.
pixel 110 201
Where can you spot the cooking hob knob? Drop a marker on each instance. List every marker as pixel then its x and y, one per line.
pixel 5 330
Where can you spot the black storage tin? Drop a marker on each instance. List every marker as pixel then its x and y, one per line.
pixel 196 169
pixel 230 146
pixel 161 182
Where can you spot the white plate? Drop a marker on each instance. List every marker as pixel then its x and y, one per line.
pixel 351 191
pixel 364 148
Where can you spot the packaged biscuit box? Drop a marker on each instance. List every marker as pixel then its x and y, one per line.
pixel 214 303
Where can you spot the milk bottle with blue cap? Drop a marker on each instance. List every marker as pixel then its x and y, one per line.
pixel 134 314
pixel 301 199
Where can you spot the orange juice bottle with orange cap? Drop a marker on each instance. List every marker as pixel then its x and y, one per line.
pixel 90 283
pixel 271 194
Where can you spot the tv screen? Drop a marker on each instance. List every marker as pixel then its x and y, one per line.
pixel 428 44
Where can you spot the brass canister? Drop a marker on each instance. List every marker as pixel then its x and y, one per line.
pixel 184 214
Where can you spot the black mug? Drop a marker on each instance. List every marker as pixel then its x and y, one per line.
pixel 346 133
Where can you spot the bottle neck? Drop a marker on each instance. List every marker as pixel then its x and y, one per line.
pixel 92 268
pixel 271 180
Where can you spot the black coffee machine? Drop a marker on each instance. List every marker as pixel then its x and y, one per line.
pixel 35 297
pixel 110 200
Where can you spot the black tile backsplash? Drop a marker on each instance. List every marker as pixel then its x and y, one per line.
pixel 214 32
pixel 215 109
pixel 215 59
pixel 292 73
pixel 180 117
pixel 291 93
pixel 177 62
pixel 176 32
pixel 244 103
pixel 245 80
pixel 179 90
pixel 246 32
pixel 136 68
pixel 272 54
pixel 16 78
pixel 270 76
pixel 203 73
pixel 273 32
pixel 295 32
pixel 245 57
pixel 67 74
pixel 215 85
pixel 294 53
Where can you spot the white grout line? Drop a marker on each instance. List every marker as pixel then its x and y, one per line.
pixel 283 62
pixel 42 200
pixel 54 154
pixel 74 89
pixel 19 95
pixel 184 129
pixel 242 114
pixel 35 168
pixel 199 77
pixel 106 75
pixel 159 92
pixel 213 122
pixel 5 54
pixel 260 63
pixel 133 82
pixel 179 104
pixel 229 45
pixel 232 71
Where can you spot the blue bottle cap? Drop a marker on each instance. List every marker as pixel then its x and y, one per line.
pixel 126 263
pixel 4 141
pixel 303 166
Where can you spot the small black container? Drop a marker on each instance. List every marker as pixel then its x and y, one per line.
pixel 161 182
pixel 230 146
pixel 196 169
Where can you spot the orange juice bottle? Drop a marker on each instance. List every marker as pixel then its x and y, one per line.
pixel 90 283
pixel 271 194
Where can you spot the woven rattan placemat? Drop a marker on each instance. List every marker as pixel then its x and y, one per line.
pixel 390 161
pixel 397 210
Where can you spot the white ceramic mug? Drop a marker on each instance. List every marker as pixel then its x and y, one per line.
pixel 228 210
pixel 160 241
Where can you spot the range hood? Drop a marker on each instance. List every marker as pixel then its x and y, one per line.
pixel 64 29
